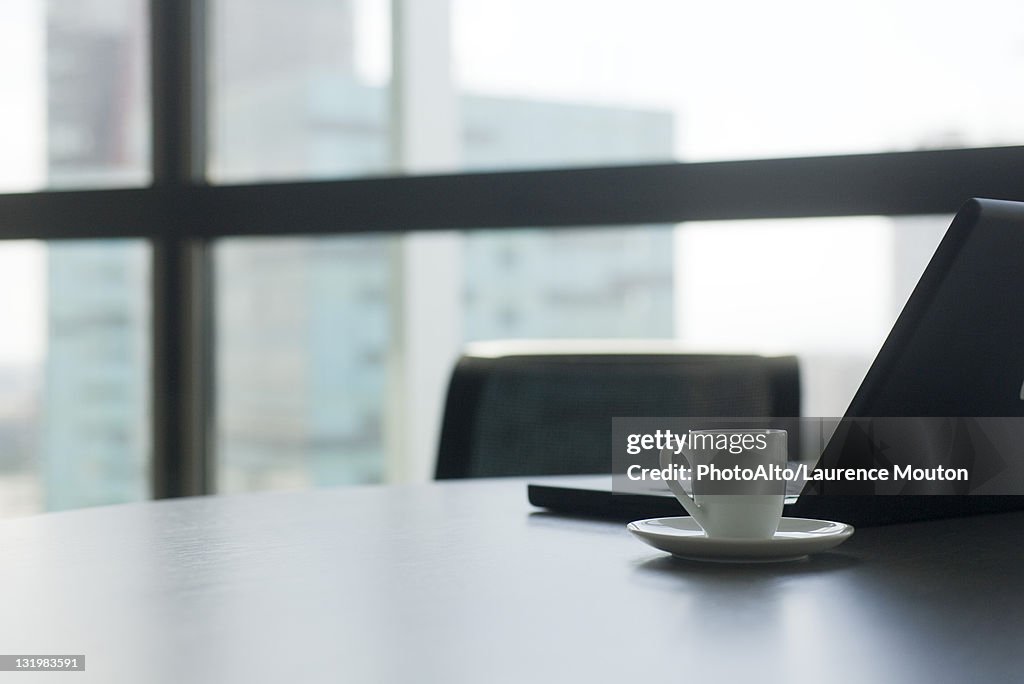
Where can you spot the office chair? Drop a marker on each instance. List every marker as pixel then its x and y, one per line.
pixel 535 408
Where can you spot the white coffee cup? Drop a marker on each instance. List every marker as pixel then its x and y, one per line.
pixel 733 508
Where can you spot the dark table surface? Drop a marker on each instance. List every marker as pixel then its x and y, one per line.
pixel 465 582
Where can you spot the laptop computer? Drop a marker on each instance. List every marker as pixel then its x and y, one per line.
pixel 954 351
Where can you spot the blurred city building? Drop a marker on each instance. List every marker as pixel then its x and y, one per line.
pixel 303 323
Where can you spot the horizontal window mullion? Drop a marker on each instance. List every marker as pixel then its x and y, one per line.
pixel 902 183
pixel 54 215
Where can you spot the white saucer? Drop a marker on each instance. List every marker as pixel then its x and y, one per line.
pixel 796 538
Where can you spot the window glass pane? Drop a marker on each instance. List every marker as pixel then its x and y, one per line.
pixel 600 282
pixel 74 384
pixel 334 353
pixel 302 340
pixel 589 82
pixel 75 81
pixel 720 287
pixel 827 290
pixel 298 89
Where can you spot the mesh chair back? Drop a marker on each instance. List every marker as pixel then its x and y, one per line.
pixel 551 414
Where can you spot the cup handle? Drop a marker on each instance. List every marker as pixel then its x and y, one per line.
pixel 666 459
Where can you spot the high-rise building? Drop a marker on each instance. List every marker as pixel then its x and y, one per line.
pixel 303 324
pixel 94 437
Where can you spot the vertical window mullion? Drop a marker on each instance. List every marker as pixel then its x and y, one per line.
pixel 182 386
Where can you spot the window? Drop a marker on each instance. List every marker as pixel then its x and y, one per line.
pixel 290 317
pixel 302 329
pixel 74 354
pixel 306 327
pixel 827 290
pixel 660 80
pixel 74 386
pixel 299 89
pixel 75 112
